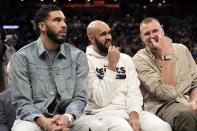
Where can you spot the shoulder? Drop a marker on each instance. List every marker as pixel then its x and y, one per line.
pixel 142 59
pixel 179 46
pixel 128 60
pixel 125 57
pixel 75 53
pixel 140 54
pixel 22 55
pixel 73 50
pixel 180 49
pixel 26 50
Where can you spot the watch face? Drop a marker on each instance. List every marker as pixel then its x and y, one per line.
pixel 167 57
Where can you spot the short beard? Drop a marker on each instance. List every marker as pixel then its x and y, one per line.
pixel 51 34
pixel 101 47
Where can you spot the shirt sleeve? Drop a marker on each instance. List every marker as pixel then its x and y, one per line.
pixel 100 91
pixel 134 96
pixel 193 68
pixel 22 91
pixel 3 119
pixel 79 99
pixel 150 78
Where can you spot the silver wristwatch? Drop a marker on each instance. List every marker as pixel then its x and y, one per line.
pixel 167 57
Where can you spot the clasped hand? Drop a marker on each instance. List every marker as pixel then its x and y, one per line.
pixel 58 123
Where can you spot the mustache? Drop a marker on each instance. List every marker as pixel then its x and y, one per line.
pixel 108 41
pixel 62 31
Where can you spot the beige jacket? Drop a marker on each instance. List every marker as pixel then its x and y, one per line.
pixel 157 93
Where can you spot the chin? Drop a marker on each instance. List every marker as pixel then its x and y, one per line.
pixel 62 37
pixel 154 48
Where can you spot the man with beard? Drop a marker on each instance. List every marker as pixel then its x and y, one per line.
pixel 169 76
pixel 114 97
pixel 48 78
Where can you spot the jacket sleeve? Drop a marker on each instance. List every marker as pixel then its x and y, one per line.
pixel 22 92
pixel 3 119
pixel 79 99
pixel 134 96
pixel 151 79
pixel 100 91
pixel 193 69
pixel 4 126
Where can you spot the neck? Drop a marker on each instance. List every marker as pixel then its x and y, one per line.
pixel 49 45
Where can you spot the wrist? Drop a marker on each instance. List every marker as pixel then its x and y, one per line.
pixel 41 121
pixel 111 67
pixel 70 117
pixel 46 123
pixel 134 115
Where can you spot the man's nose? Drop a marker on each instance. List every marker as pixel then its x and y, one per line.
pixel 108 36
pixel 63 24
pixel 152 35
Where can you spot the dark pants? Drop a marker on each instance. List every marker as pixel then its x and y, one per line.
pixel 179 116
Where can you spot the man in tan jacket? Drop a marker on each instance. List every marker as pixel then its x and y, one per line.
pixel 169 76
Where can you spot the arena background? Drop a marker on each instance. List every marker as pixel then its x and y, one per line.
pixel 178 17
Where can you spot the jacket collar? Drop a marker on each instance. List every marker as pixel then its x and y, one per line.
pixel 42 50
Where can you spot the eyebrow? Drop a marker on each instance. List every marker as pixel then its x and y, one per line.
pixel 106 32
pixel 148 32
pixel 57 17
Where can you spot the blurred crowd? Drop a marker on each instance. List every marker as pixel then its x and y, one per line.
pixel 125 30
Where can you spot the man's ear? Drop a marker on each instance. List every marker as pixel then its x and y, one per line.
pixel 141 36
pixel 42 26
pixel 163 33
pixel 91 38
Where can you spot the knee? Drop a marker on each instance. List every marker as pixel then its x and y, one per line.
pixel 22 128
pixel 25 126
pixel 96 126
pixel 151 122
pixel 185 120
pixel 123 127
pixel 186 116
pixel 162 126
pixel 119 124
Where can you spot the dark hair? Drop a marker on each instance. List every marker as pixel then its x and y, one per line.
pixel 43 13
